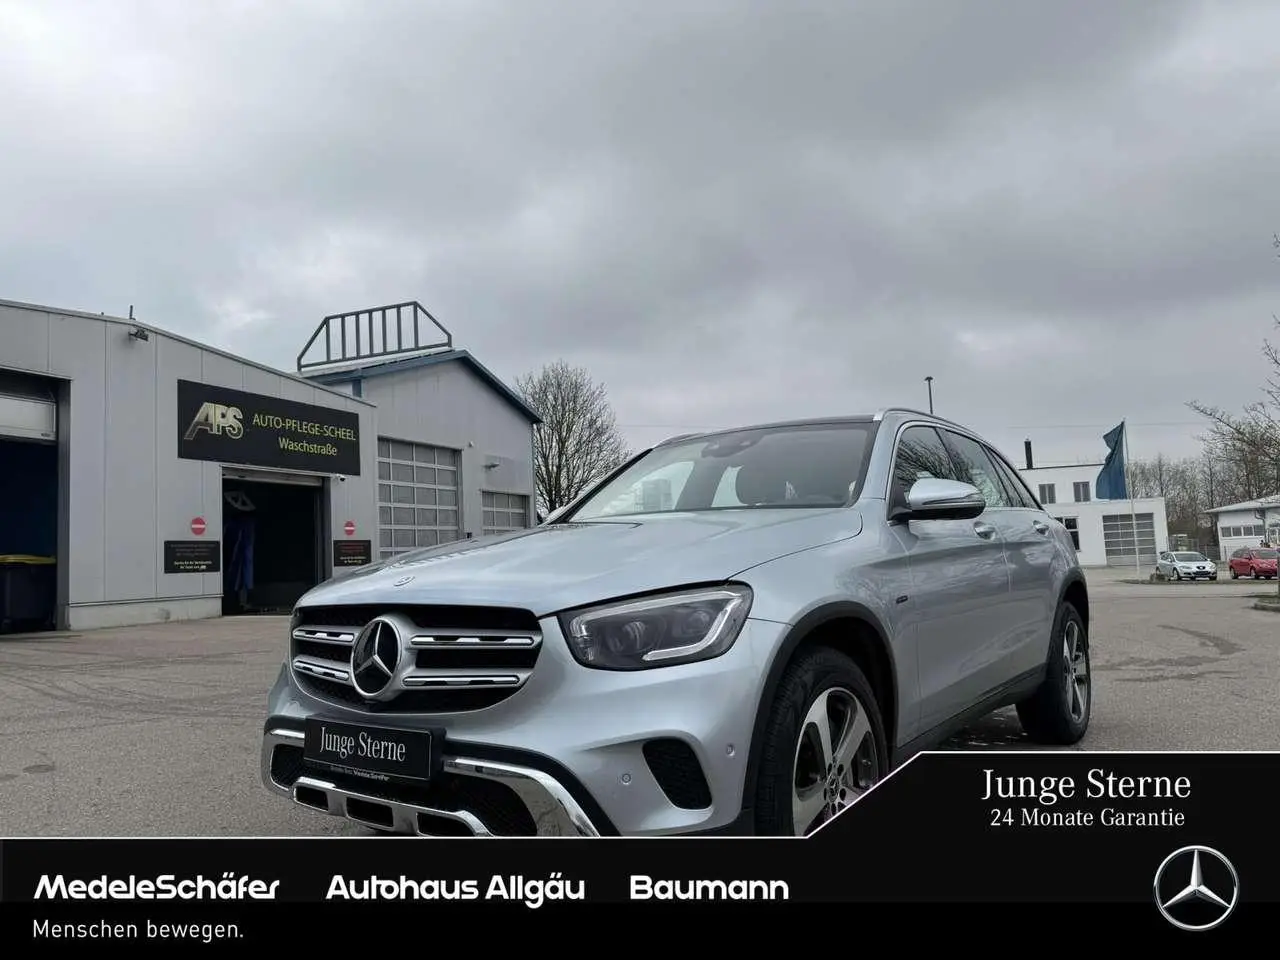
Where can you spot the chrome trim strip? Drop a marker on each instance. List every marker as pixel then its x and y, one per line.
pixel 471 640
pixel 329 670
pixel 404 816
pixel 325 635
pixel 552 807
pixel 443 679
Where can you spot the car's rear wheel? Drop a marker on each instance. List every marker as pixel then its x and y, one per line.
pixel 824 745
pixel 1058 712
pixel 1235 574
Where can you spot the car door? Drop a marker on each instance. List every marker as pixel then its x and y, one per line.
pixel 1033 556
pixel 959 593
pixel 1164 566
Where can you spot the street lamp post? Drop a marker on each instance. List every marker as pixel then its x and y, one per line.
pixel 929 383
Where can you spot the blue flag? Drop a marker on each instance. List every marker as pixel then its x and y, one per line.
pixel 1111 483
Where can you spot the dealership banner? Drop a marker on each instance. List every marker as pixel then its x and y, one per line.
pixel 231 426
pixel 1071 846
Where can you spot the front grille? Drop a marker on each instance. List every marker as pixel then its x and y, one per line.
pixel 497 805
pixel 459 658
pixel 675 766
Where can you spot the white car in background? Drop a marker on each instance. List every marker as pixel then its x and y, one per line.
pixel 1185 565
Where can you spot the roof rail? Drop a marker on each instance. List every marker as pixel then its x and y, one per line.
pixel 376 333
pixel 678 436
pixel 882 413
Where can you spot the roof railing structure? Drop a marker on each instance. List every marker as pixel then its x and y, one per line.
pixel 395 331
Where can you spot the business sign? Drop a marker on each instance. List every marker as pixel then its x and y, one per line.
pixel 192 556
pixel 230 426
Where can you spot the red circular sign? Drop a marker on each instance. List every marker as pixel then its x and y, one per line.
pixel 198 526
pixel 349 528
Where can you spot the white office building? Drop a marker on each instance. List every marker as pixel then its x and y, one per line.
pixel 1246 524
pixel 1107 533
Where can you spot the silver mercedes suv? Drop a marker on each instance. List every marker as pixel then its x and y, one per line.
pixel 735 632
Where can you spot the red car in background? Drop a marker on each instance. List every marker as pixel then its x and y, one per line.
pixel 1253 562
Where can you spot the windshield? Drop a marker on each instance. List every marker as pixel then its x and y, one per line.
pixel 1264 554
pixel 814 465
pixel 1190 557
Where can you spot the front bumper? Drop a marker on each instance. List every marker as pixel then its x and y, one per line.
pixel 570 754
pixel 545 801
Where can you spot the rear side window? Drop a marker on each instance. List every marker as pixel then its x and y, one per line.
pixel 975 467
pixel 921 454
pixel 1018 494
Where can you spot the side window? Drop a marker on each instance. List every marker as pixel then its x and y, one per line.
pixel 921 453
pixel 1018 494
pixel 975 467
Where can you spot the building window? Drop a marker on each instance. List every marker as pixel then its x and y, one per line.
pixel 504 512
pixel 1245 530
pixel 1047 494
pixel 417 497
pixel 1073 527
pixel 1081 490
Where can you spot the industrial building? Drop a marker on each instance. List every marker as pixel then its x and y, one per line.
pixel 147 477
pixel 1246 524
pixel 1107 533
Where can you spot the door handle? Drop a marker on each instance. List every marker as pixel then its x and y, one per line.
pixel 984 530
pixel 1040 527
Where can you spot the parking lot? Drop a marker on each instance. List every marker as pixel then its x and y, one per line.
pixel 155 730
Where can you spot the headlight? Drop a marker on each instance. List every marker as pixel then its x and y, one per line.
pixel 659 631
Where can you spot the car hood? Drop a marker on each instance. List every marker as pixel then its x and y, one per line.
pixel 559 566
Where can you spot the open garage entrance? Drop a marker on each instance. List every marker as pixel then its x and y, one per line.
pixel 29 499
pixel 272 530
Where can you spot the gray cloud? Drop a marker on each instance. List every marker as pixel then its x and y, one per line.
pixel 730 211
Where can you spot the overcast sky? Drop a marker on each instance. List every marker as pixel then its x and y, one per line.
pixel 729 211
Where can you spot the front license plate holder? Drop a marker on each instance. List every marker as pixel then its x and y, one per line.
pixel 370 751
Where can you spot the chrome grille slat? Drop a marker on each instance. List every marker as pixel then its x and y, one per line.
pixel 443 639
pixel 455 659
pixel 325 669
pixel 335 635
pixel 465 678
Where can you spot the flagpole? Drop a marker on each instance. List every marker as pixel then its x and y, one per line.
pixel 1128 488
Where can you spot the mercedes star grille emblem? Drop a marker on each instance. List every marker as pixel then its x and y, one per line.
pixel 374 658
pixel 403 580
pixel 1196 888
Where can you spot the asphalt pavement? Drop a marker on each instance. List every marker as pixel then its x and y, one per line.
pixel 155 730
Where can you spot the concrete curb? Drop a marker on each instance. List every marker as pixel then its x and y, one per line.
pixel 1271 606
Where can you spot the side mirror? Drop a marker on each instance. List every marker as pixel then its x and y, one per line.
pixel 933 499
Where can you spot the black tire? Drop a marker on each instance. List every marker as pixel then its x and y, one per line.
pixel 811 675
pixel 1234 574
pixel 1047 717
pixel 1177 574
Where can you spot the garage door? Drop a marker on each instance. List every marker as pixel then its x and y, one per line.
pixel 1118 536
pixel 417 497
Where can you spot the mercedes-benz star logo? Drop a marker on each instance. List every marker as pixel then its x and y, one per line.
pixel 1196 888
pixel 403 580
pixel 374 657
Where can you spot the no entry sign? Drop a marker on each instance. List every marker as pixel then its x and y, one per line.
pixel 198 526
pixel 349 528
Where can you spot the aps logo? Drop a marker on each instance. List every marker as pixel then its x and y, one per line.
pixel 218 420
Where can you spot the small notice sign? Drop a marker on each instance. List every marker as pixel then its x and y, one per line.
pixel 352 553
pixel 192 556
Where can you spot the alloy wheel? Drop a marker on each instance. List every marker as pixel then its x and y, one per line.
pixel 1075 669
pixel 836 759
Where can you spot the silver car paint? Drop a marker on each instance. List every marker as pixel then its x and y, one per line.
pixel 963 617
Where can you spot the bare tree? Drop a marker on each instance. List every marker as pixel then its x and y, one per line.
pixel 578 439
pixel 1247 445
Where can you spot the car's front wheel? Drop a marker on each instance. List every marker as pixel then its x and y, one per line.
pixel 823 748
pixel 1058 712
